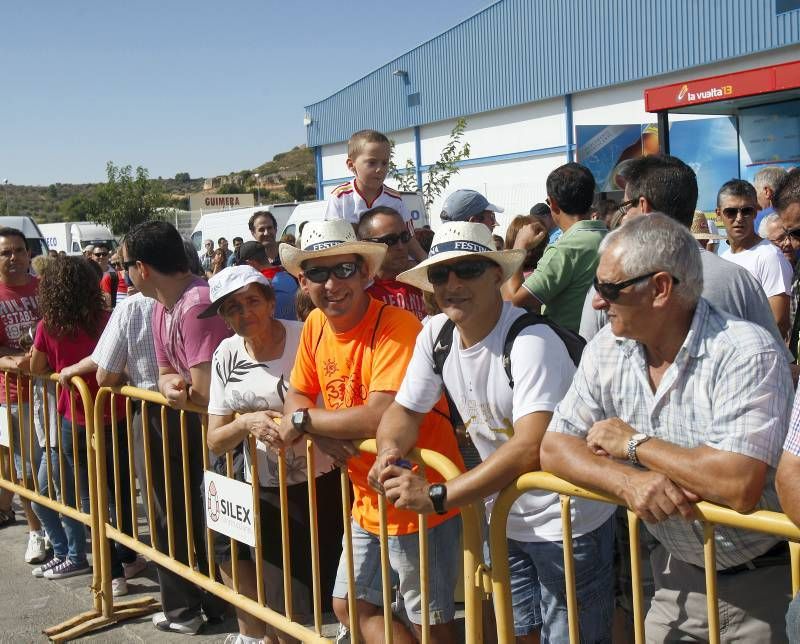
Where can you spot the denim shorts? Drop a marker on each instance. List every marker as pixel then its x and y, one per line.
pixel 444 558
pixel 538 587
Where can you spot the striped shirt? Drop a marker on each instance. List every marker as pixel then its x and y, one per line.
pixel 729 388
pixel 127 343
pixel 792 444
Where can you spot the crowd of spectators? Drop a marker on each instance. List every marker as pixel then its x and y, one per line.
pixel 368 328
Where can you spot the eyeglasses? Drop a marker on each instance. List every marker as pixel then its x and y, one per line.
pixel 392 239
pixel 732 213
pixel 610 291
pixel 625 206
pixel 100 254
pixel 469 269
pixel 128 263
pixel 321 274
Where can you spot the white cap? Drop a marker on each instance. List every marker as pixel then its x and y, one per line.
pixel 228 281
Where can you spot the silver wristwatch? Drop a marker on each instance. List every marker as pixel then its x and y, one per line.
pixel 634 442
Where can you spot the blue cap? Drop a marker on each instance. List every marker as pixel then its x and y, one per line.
pixel 463 204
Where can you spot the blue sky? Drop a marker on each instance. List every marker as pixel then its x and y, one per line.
pixel 184 86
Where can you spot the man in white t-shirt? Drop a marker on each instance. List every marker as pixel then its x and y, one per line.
pixel 506 424
pixel 737 205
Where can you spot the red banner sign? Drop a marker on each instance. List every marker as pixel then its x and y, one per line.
pixel 721 88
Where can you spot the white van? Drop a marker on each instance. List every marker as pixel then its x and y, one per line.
pixel 36 241
pixel 315 210
pixel 73 236
pixel 233 223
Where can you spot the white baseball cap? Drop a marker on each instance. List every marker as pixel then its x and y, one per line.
pixel 227 282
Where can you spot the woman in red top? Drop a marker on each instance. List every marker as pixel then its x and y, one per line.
pixel 73 315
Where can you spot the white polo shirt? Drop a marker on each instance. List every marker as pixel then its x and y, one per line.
pixel 346 202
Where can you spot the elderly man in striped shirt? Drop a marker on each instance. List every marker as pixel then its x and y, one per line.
pixel 674 402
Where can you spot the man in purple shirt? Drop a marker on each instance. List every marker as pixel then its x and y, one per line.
pixel 158 266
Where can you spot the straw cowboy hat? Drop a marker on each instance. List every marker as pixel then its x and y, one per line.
pixel 462 239
pixel 326 238
pixel 700 228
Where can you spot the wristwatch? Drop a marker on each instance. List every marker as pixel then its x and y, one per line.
pixel 301 419
pixel 438 496
pixel 634 442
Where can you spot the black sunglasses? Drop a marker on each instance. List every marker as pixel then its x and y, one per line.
pixel 610 291
pixel 391 240
pixel 469 269
pixel 128 263
pixel 100 254
pixel 321 274
pixel 794 232
pixel 732 213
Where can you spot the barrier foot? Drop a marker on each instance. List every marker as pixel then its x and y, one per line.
pixel 94 620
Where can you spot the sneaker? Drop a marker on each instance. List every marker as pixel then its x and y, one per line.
pixel 135 568
pixel 342 635
pixel 119 587
pixel 189 627
pixel 40 570
pixel 37 550
pixel 66 569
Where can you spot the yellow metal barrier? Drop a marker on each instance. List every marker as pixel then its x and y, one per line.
pixel 45 391
pixel 164 554
pixel 708 513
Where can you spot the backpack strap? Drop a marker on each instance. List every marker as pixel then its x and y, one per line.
pixel 573 342
pixel 114 278
pixel 441 349
pixel 377 324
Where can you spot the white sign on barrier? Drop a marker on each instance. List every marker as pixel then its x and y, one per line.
pixel 229 507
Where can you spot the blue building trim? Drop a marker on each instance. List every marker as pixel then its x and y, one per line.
pixel 418 157
pixel 496 158
pixel 568 124
pixel 318 166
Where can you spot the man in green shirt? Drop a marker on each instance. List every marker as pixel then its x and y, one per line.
pixel 559 284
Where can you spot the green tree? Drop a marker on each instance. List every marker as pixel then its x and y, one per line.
pixel 296 189
pixel 231 189
pixel 76 208
pixel 438 174
pixel 126 199
pixel 182 177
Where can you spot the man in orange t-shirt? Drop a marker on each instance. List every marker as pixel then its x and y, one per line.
pixel 354 351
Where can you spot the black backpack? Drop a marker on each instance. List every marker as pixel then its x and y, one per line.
pixel 444 342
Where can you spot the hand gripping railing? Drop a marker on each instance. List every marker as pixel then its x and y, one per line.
pixel 709 514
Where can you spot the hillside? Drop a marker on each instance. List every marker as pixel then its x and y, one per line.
pixel 62 201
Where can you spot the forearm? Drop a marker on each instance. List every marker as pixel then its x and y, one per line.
pixel 787 481
pixel 721 477
pixel 493 474
pixel 225 433
pixel 347 424
pixel 84 367
pixel 569 458
pixel 779 304
pixel 398 429
pixel 197 397
pixel 417 251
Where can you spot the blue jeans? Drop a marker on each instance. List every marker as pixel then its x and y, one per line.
pixel 793 620
pixel 538 587
pixel 67 535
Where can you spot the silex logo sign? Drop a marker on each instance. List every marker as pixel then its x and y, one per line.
pixel 229 507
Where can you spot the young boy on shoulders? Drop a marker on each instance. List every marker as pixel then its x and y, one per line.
pixel 368 154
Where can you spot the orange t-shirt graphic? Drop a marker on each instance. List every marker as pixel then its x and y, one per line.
pixel 346 368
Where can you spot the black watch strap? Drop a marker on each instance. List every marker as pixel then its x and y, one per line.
pixel 438 496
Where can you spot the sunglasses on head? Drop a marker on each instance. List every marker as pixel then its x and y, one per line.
pixel 392 239
pixel 469 269
pixel 321 274
pixel 732 213
pixel 610 291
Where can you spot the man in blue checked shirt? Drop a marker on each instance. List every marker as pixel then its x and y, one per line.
pixel 674 402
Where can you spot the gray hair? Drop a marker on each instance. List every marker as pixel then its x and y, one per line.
pixel 770 176
pixel 771 218
pixel 655 243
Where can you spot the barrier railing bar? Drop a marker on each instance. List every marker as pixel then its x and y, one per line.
pixel 260 592
pixel 168 483
pixel 76 453
pixel 187 491
pixel 26 425
pixel 60 440
pixel 424 578
pixel 794 556
pixel 148 475
pixel 286 555
pixel 710 561
pixel 131 467
pixel 206 465
pixel 569 569
pixel 637 591
pixel 352 606
pixel 117 467
pixel 234 545
pixel 47 442
pixel 316 590
pixel 386 588
pixel 10 424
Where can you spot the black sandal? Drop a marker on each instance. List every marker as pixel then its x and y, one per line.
pixel 6 518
